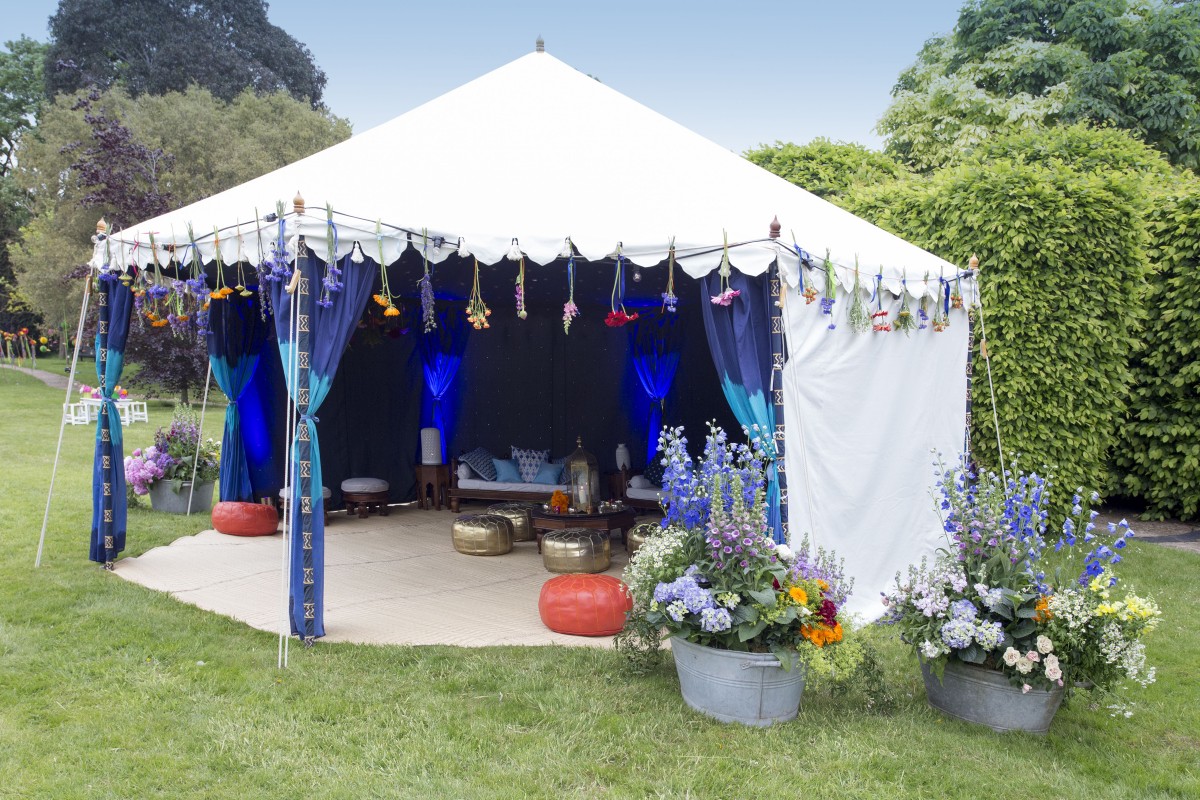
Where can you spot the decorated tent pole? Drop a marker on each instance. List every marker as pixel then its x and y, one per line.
pixel 101 229
pixel 777 361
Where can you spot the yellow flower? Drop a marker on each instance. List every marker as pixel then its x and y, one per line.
pixel 799 595
pixel 42 340
pixel 822 585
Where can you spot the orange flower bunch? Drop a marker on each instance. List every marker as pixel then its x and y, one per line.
pixel 821 635
pixel 1042 607
pixel 389 309
pixel 222 293
pixel 381 300
pixel 559 502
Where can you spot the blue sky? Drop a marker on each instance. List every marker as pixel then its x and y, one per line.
pixel 739 74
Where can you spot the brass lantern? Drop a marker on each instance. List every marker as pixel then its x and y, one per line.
pixel 583 476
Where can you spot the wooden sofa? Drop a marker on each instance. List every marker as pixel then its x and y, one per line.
pixel 640 504
pixel 457 492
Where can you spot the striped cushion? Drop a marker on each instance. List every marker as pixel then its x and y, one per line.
pixel 480 460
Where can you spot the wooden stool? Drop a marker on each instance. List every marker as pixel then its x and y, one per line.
pixel 363 495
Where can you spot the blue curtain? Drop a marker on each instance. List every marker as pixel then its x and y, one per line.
pixel 654 345
pixel 441 353
pixel 236 334
pixel 321 337
pixel 108 469
pixel 739 336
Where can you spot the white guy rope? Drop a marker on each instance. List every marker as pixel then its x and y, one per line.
pixel 199 438
pixel 62 422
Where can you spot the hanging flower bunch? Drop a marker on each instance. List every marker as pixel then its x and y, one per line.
pixel 618 316
pixel 570 310
pixel 385 297
pixel 905 321
pixel 670 301
pixel 726 295
pixel 515 254
pixel 922 314
pixel 879 317
pixel 941 316
pixel 477 310
pixel 830 290
pixel 956 298
pixel 428 316
pixel 860 321
pixel 331 282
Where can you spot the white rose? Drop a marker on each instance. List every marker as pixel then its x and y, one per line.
pixel 1024 665
pixel 1053 673
pixel 1011 656
pixel 1044 645
pixel 1051 661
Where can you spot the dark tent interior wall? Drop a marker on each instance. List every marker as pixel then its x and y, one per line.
pixel 523 383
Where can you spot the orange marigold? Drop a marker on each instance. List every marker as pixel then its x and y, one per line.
pixel 799 595
pixel 823 585
pixel 1042 607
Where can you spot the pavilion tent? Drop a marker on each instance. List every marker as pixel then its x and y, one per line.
pixel 571 166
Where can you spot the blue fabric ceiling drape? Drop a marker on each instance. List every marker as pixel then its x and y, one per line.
pixel 654 345
pixel 108 470
pixel 236 334
pixel 441 352
pixel 319 340
pixel 739 336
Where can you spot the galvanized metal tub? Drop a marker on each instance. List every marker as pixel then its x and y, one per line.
pixel 164 498
pixel 986 697
pixel 732 686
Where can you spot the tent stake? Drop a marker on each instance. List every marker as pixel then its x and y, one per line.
pixel 199 436
pixel 62 422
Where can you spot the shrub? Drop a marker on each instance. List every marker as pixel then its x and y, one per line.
pixel 1159 457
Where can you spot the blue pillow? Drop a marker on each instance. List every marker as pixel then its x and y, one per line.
pixel 480 460
pixel 549 474
pixel 529 462
pixel 506 471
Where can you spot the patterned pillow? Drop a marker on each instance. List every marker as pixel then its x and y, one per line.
pixel 529 462
pixel 480 460
pixel 654 470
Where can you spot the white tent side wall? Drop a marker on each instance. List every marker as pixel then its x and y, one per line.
pixel 865 415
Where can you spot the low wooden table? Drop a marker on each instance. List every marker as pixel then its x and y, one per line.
pixel 433 485
pixel 608 522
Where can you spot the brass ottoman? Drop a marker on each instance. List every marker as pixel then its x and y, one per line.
pixel 576 550
pixel 636 536
pixel 518 515
pixel 482 535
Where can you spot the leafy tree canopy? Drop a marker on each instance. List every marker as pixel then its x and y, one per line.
pixel 126 158
pixel 159 46
pixel 1015 64
pixel 827 169
pixel 21 92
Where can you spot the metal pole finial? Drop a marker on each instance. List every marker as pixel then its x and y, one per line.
pixel 540 45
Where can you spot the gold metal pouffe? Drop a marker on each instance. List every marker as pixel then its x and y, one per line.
pixel 482 535
pixel 576 550
pixel 518 515
pixel 636 536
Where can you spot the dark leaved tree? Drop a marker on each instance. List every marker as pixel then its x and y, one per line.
pixel 159 46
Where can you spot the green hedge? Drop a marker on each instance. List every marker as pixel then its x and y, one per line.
pixel 1159 456
pixel 1063 258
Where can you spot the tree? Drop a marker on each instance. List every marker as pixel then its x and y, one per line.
pixel 1018 64
pixel 21 87
pixel 827 169
pixel 160 46
pixel 131 158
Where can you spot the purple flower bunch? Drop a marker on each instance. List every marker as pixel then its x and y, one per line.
pixel 145 467
pixel 428 317
pixel 725 473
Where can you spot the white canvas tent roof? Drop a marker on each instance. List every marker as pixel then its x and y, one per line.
pixel 535 152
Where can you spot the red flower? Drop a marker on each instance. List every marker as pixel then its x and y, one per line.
pixel 828 612
pixel 616 319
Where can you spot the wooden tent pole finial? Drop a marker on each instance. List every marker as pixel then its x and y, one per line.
pixel 298 203
pixel 775 228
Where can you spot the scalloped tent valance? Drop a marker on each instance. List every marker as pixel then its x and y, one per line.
pixel 530 155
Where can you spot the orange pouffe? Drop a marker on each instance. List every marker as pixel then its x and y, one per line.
pixel 245 519
pixel 585 604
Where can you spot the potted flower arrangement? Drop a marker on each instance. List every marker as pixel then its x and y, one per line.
pixel 1007 622
pixel 747 617
pixel 165 470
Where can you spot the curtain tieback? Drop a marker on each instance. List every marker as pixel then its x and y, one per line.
pixel 309 418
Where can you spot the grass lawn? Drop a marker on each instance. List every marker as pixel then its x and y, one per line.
pixel 108 689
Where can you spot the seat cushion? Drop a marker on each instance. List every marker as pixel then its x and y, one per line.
pixel 364 485
pixel 324 493
pixel 244 519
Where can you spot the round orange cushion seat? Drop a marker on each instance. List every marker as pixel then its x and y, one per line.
pixel 584 604
pixel 245 519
